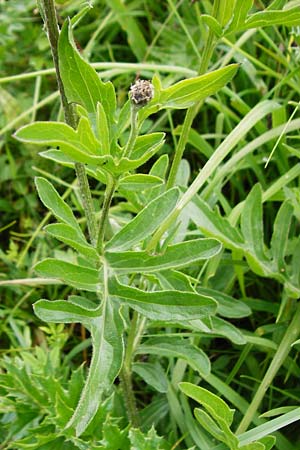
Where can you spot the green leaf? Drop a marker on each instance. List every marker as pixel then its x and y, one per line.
pixel 87 138
pixel 102 128
pixel 152 374
pixel 287 17
pixel 225 329
pixel 170 306
pixel 113 437
pixel 66 234
pixel 269 427
pixel 281 234
pixel 213 24
pixel 178 255
pixel 62 311
pixel 149 441
pixel 211 426
pixel 227 306
pixel 78 276
pixel 241 9
pixel 220 431
pixel 160 167
pixel 145 147
pixel 58 207
pixel 225 11
pixel 146 143
pixel 276 4
pixel 178 348
pixel 60 135
pixel 107 340
pixel 172 279
pixel 139 182
pixel 215 406
pixel 129 24
pixel 145 223
pixel 60 158
pixel 212 224
pixel 187 92
pixel 252 229
pixel 81 82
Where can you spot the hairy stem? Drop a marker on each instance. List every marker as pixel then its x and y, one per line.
pixel 135 333
pixel 126 374
pixel 109 192
pixel 133 131
pixel 48 14
pixel 282 352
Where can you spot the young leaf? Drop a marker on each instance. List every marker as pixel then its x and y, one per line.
pixel 252 224
pixel 139 182
pixel 51 133
pixel 178 255
pixel 78 276
pixel 281 234
pixel 178 348
pixel 216 407
pixel 66 234
pixel 82 83
pixel 170 306
pixel 225 329
pixel 153 374
pixel 60 135
pixel 128 23
pixel 87 138
pixel 228 306
pixel 225 11
pixel 287 17
pixel 103 130
pixel 212 224
pixel 145 223
pixel 107 340
pixel 187 92
pixel 58 207
pixel 213 24
pixel 145 143
pixel 62 311
pixel 160 167
pixel 241 9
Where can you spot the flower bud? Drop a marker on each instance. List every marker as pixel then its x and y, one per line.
pixel 141 92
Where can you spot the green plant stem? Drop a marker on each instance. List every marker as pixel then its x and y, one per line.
pixel 134 336
pixel 133 131
pixel 49 16
pixel 109 192
pixel 282 352
pixel 51 24
pixel 193 110
pixel 87 202
pixel 126 374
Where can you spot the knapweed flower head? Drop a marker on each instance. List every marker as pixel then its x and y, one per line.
pixel 141 92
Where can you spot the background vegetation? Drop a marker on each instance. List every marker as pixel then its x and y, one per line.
pixel 250 202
